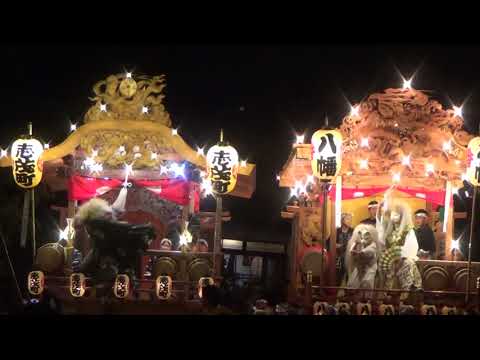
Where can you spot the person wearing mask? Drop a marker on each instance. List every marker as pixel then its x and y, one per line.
pixel 344 233
pixel 372 210
pixel 425 236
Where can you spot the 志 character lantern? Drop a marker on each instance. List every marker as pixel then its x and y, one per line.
pixel 26 164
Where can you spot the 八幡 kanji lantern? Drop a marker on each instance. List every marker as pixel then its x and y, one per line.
pixel 26 166
pixel 473 161
pixel 222 167
pixel 327 154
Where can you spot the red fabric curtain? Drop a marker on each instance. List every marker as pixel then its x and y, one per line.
pixel 174 190
pixel 434 197
pixel 356 193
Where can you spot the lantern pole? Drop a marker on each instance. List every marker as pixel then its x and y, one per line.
pixel 217 237
pixel 469 267
pixel 34 247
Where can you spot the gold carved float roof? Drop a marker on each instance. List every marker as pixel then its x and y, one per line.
pixel 399 124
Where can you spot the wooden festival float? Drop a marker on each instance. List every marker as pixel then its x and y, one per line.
pixel 399 139
pixel 127 139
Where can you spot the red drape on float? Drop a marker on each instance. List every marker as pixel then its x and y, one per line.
pixel 174 190
pixel 356 193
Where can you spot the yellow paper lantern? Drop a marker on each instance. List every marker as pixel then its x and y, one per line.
pixel 163 286
pixel 222 168
pixel 122 286
pixel 26 165
pixel 327 154
pixel 77 285
pixel 473 161
pixel 36 283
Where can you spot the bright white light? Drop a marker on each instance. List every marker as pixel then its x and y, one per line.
pixel 163 169
pixel 429 168
pixel 396 177
pixel 464 177
pixel 364 142
pixel 179 171
pixel 73 127
pixel 96 168
pixel 144 109
pixel 396 124
pixel 128 169
pixel 300 139
pixel 407 84
pixel 153 156
pixel 243 163
pixel 63 234
pixel 406 160
pixel 207 187
pixel 128 75
pixel 455 245
pixel 457 162
pixel 121 149
pixel 200 151
pixel 3 153
pixel 94 153
pixel 364 164
pixel 354 111
pixel 278 177
pixel 202 174
pixel 103 107
pixel 447 146
pixel 137 156
pixel 457 111
pixel 310 179
pixel 88 162
pixel 174 132
pixel 46 146
pixel 455 191
pixel 358 194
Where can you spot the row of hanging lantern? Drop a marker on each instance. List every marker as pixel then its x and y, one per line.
pixel 121 288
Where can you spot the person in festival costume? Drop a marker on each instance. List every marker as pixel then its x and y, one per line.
pixel 361 257
pixel 399 248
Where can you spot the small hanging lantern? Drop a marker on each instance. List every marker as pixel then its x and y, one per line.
pixel 77 285
pixel 222 167
pixel 327 154
pixel 473 162
pixel 36 283
pixel 121 287
pixel 26 165
pixel 364 309
pixel 387 310
pixel 204 282
pixel 163 286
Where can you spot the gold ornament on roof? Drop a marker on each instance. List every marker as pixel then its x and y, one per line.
pixel 126 98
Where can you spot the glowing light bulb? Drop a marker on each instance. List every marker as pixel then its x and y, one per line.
pixel 153 156
pixel 178 170
pixel 455 245
pixel 73 127
pixel 128 75
pixel 355 110
pixel 300 139
pixel 94 153
pixel 447 146
pixel 128 169
pixel 364 142
pixel 278 177
pixel 406 161
pixel 121 149
pixel 174 132
pixel 46 146
pixel 3 153
pixel 396 178
pixel 96 168
pixel 407 84
pixel 363 164
pixel 163 170
pixel 207 187
pixel 429 168
pixel 103 107
pixel 455 191
pixel 144 110
pixel 243 163
pixel 457 111
pixel 203 174
pixel 200 151
pixel 88 162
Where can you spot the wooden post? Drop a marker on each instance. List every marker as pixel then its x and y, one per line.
pixel 333 246
pixel 308 306
pixel 469 268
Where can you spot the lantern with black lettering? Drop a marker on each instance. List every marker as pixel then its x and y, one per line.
pixel 473 161
pixel 327 154
pixel 163 287
pixel 77 285
pixel 36 283
pixel 121 287
pixel 26 166
pixel 222 167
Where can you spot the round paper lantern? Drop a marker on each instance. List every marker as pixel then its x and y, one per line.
pixel 77 285
pixel 222 168
pixel 122 286
pixel 26 166
pixel 327 154
pixel 163 286
pixel 473 161
pixel 36 283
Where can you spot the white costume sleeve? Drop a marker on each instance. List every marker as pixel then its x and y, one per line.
pixel 410 248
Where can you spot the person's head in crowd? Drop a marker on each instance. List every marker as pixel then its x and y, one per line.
pixel 372 208
pixel 347 220
pixel 421 218
pixel 166 244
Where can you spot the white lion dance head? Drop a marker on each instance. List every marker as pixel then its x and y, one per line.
pixel 93 209
pixel 364 235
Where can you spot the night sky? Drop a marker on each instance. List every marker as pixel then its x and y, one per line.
pixel 260 95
